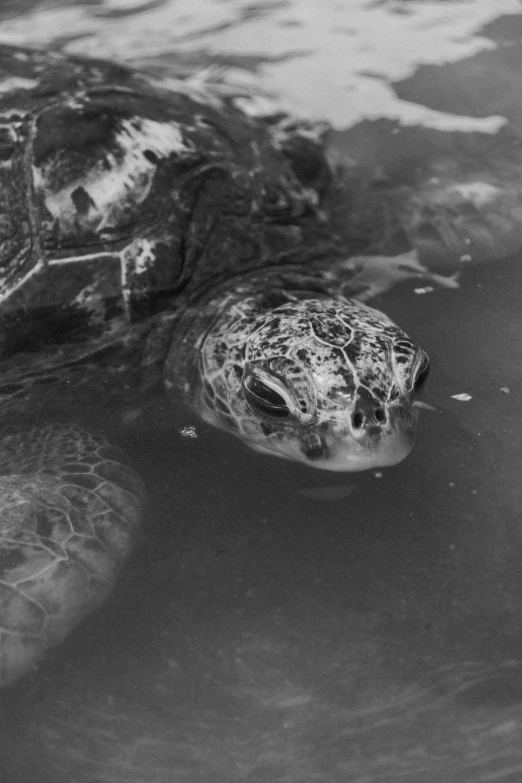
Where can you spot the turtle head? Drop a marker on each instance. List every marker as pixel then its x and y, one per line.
pixel 328 382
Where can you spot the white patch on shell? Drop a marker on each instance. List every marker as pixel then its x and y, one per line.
pixel 136 259
pixel 89 300
pixel 143 256
pixel 77 101
pixel 17 113
pixel 110 188
pixel 163 138
pixel 17 83
pixel 11 132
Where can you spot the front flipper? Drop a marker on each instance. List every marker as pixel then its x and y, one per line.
pixel 364 277
pixel 70 511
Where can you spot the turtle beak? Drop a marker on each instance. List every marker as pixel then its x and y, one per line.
pixel 343 448
pixel 371 447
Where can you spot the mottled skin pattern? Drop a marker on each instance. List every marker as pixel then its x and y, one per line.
pixel 312 377
pixel 154 236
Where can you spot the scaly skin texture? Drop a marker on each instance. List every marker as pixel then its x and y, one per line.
pixel 69 516
pixel 301 374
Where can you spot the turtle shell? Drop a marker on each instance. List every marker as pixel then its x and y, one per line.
pixel 122 197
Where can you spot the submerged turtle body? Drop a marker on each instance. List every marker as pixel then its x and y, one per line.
pixel 152 235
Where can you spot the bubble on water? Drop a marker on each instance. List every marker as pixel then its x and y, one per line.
pixel 188 431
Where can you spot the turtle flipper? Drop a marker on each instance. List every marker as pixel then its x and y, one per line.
pixel 70 512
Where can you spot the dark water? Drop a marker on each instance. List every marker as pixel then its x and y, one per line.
pixel 373 633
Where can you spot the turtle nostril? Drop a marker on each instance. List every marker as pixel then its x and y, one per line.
pixel 380 415
pixel 357 420
pixel 372 423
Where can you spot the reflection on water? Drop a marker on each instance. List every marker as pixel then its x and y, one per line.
pixel 336 60
pixel 277 624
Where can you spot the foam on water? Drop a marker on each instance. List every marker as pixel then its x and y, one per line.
pixel 331 60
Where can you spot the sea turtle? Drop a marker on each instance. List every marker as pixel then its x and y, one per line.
pixel 154 235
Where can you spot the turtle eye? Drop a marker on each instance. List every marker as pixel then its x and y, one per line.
pixel 264 398
pixel 422 375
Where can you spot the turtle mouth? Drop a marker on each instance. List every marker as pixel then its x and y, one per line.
pixel 341 449
pixel 376 451
pixel 375 448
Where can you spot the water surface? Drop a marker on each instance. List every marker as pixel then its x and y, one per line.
pixel 372 630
